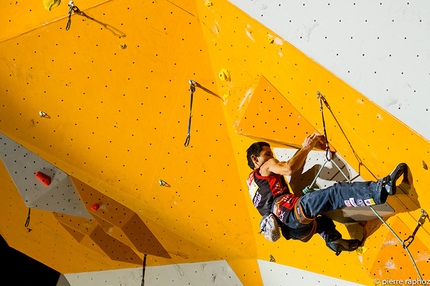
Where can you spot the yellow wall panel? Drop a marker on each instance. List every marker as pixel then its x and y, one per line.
pixel 115 88
pixel 367 137
pixel 117 120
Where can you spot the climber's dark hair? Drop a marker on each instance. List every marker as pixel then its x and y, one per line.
pixel 255 150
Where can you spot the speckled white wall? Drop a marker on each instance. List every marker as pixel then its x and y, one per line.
pixel 380 48
pixel 279 275
pixel 59 195
pixel 210 273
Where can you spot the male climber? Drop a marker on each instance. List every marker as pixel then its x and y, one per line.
pixel 300 217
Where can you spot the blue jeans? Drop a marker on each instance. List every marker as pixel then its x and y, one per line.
pixel 337 196
pixel 358 194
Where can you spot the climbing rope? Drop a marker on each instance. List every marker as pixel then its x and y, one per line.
pixel 192 90
pixel 405 243
pixel 143 270
pixel 328 153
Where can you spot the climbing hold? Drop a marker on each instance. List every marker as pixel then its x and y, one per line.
pixel 94 207
pixel 43 114
pixel 270 39
pixel 208 3
pixel 45 179
pixel 163 183
pixel 50 4
pixel 361 250
pixel 224 75
pixel 226 95
pixel 123 46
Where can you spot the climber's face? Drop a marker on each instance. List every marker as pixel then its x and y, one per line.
pixel 265 154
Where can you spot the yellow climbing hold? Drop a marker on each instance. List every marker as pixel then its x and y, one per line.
pixel 225 96
pixel 224 75
pixel 361 250
pixel 50 4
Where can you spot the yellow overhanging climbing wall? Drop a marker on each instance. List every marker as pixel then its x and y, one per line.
pixel 115 89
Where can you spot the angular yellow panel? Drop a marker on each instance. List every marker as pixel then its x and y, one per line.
pixel 269 116
pixel 247 270
pixel 120 222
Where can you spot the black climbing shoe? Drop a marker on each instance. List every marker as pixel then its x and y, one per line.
pixel 389 182
pixel 341 244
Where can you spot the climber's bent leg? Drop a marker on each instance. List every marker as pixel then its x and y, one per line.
pixel 343 194
pixel 355 194
pixel 327 230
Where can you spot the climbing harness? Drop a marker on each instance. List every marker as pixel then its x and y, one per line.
pixel 424 214
pixel 192 90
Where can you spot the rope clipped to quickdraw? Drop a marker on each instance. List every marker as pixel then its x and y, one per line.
pixel 27 221
pixel 328 153
pixel 192 90
pixel 421 220
pixel 143 269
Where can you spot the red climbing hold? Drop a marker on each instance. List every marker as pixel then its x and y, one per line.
pixel 45 179
pixel 94 207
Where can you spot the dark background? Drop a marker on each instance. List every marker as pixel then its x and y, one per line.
pixel 19 269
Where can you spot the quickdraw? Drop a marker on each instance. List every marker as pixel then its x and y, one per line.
pixel 192 90
pixel 72 8
pixel 27 221
pixel 420 222
pixel 328 152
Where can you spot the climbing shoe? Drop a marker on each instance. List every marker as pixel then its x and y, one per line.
pixel 341 244
pixel 389 182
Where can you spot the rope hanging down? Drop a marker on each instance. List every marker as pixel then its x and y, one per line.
pixel 406 242
pixel 143 269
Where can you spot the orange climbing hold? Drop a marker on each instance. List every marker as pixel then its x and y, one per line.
pixel 45 179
